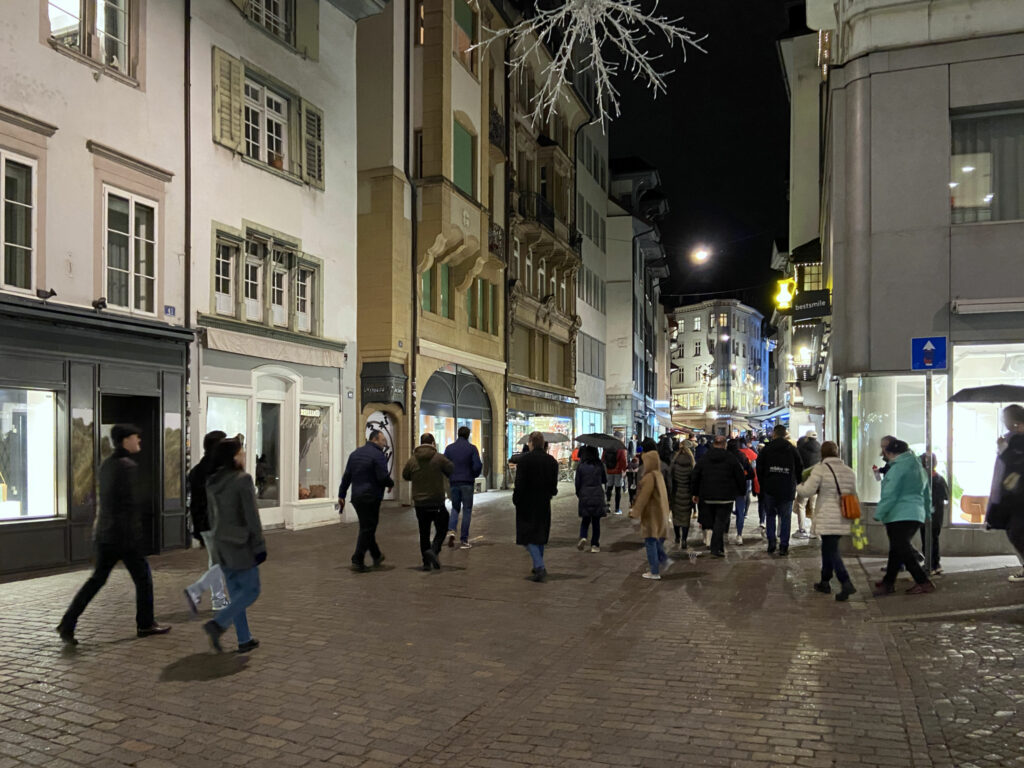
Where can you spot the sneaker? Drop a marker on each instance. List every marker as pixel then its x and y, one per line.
pixel 651 576
pixel 1017 577
pixel 359 567
pixel 824 587
pixel 581 544
pixel 783 551
pixel 465 545
pixel 667 563
pixel 155 629
pixel 936 572
pixel 450 539
pixel 800 535
pixel 193 603
pixel 250 645
pixel 618 511
pixel 771 547
pixel 921 589
pixel 221 606
pixel 378 560
pixel 844 594
pixel 762 531
pixel 739 539
pixel 213 632
pixel 430 560
pixel 539 574
pixel 67 635
pixel 595 548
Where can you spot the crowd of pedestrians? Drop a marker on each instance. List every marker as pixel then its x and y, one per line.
pixel 673 483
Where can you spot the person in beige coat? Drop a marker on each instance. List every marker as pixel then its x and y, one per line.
pixel 652 509
pixel 830 479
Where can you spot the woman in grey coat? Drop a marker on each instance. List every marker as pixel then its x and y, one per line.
pixel 238 535
pixel 679 494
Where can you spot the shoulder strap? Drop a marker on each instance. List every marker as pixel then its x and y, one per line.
pixel 834 477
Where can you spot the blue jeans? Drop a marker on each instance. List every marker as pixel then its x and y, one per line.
pixel 655 553
pixel 742 503
pixel 773 509
pixel 462 498
pixel 831 561
pixel 537 554
pixel 244 588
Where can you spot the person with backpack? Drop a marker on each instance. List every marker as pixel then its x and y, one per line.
pixel 615 463
pixel 743 499
pixel 779 468
pixel 591 477
pixel 1006 499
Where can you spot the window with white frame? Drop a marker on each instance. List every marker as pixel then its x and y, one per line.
pixel 224 278
pixel 99 29
pixel 279 287
pixel 130 251
pixel 253 284
pixel 696 323
pixel 275 16
pixel 304 299
pixel 18 222
pixel 266 125
pixel 696 349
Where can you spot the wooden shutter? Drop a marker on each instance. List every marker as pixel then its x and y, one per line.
pixel 228 100
pixel 312 145
pixel 307 28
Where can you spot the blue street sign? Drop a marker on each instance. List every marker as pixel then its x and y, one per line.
pixel 928 353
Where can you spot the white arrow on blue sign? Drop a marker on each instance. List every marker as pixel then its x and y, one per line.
pixel 928 353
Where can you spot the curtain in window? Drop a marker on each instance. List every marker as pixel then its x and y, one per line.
pixel 987 170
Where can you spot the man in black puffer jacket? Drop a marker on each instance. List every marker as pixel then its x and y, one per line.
pixel 118 537
pixel 779 468
pixel 716 481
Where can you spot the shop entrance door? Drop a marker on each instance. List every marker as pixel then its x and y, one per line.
pixel 144 413
pixel 267 449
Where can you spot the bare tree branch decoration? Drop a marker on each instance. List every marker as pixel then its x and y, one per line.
pixel 586 27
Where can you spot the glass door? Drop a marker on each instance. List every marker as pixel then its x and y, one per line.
pixel 268 454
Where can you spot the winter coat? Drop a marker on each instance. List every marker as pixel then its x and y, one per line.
pixel 119 522
pixel 651 503
pixel 429 472
pixel 197 495
pixel 828 517
pixel 748 468
pixel 680 493
pixel 590 481
pixel 366 472
pixel 662 467
pixel 1006 499
pixel 718 477
pixel 906 492
pixel 466 460
pixel 779 468
pixel 234 519
pixel 536 485
pixel 752 458
pixel 810 450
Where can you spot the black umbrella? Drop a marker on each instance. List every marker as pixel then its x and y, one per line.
pixel 997 393
pixel 599 440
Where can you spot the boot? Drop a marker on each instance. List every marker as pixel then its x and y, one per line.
pixel 848 589
pixel 824 587
pixel 682 538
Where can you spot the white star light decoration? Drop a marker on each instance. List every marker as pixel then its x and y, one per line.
pixel 588 26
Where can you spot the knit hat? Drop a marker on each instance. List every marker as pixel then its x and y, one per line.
pixel 121 431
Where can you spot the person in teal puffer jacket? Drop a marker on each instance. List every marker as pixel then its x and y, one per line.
pixel 906 495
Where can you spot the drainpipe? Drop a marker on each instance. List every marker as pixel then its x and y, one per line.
pixel 187 76
pixel 508 246
pixel 414 340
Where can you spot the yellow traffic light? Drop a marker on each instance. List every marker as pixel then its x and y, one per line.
pixel 784 296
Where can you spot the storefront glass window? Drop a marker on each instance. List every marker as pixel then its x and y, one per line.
pixel 268 455
pixel 227 414
pixel 894 405
pixel 28 464
pixel 977 426
pixel 314 451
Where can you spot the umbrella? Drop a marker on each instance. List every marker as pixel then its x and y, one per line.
pixel 549 437
pixel 599 440
pixel 997 393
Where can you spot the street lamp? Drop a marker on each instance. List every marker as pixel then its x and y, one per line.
pixel 700 254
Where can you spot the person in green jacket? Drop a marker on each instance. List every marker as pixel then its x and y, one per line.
pixel 906 495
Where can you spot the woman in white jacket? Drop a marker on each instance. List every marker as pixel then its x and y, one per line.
pixel 830 479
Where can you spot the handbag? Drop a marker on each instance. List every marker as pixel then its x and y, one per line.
pixel 849 504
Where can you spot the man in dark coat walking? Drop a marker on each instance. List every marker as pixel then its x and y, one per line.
pixel 715 483
pixel 536 485
pixel 429 472
pixel 366 473
pixel 467 466
pixel 118 537
pixel 779 468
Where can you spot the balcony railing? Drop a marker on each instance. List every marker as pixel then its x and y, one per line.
pixel 536 207
pixel 496 131
pixel 496 240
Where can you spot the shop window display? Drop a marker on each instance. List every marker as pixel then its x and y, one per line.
pixel 28 465
pixel 314 451
pixel 227 414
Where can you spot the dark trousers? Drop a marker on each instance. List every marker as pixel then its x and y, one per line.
pixel 902 552
pixel 368 512
pixel 618 497
pixel 107 556
pixel 722 514
pixel 936 530
pixel 587 522
pixel 832 561
pixel 682 532
pixel 438 517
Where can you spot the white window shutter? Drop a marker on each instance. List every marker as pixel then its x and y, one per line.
pixel 228 99
pixel 312 145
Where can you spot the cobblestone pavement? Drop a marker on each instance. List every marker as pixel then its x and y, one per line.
pixel 734 662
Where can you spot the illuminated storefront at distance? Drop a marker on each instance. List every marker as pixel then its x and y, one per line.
pixel 454 397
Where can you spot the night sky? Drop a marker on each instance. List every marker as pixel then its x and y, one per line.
pixel 720 138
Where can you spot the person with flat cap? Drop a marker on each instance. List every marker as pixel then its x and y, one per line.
pixel 118 537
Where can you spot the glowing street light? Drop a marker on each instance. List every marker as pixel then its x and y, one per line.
pixel 700 254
